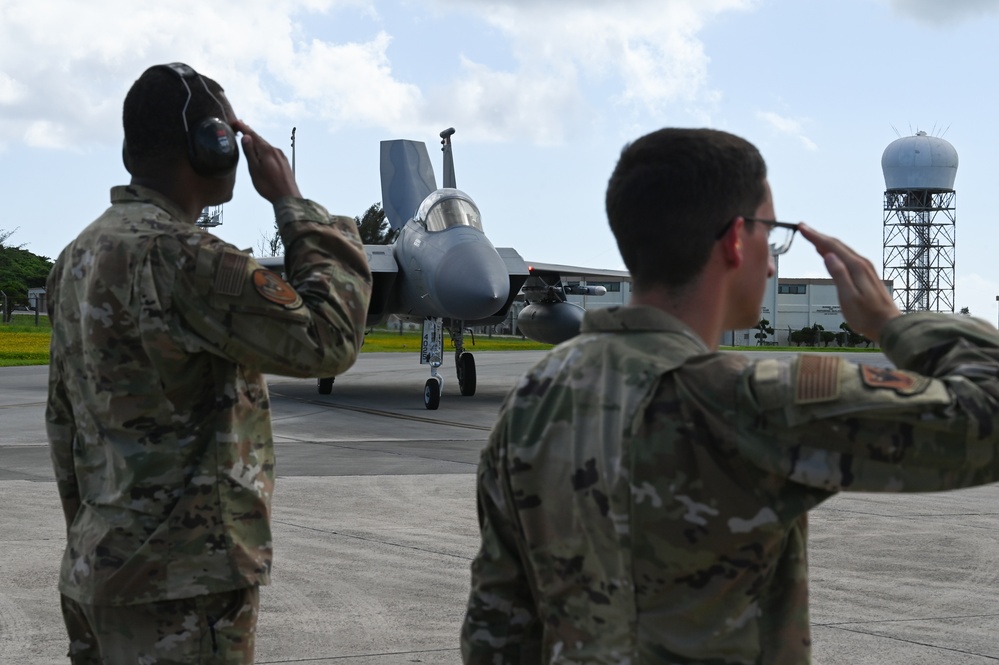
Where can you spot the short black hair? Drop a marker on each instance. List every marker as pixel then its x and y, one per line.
pixel 153 114
pixel 671 192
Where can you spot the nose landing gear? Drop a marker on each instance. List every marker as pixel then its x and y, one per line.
pixel 465 364
pixel 432 392
pixel 431 353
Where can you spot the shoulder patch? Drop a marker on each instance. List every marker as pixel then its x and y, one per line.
pixel 817 379
pixel 271 287
pixel 229 276
pixel 904 383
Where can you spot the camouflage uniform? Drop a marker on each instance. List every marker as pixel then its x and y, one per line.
pixel 158 415
pixel 644 500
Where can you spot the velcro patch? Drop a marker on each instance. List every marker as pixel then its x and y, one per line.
pixel 817 380
pixel 904 383
pixel 271 287
pixel 230 274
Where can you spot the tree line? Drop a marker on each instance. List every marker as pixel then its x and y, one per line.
pixel 372 226
pixel 817 335
pixel 813 335
pixel 20 270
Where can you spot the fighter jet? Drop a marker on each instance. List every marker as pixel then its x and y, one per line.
pixel 442 270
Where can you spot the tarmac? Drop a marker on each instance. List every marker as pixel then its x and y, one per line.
pixel 375 528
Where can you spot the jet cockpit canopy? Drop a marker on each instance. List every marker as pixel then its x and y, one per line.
pixel 447 208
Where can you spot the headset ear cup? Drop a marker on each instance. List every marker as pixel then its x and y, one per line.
pixel 213 148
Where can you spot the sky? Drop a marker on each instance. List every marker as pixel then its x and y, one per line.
pixel 543 95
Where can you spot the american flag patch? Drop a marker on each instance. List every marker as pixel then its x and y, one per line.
pixel 230 276
pixel 818 379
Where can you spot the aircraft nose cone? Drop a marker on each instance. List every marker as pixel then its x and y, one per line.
pixel 472 281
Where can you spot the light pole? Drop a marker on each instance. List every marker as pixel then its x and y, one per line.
pixel 293 150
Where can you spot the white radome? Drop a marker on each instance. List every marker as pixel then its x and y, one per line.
pixel 919 162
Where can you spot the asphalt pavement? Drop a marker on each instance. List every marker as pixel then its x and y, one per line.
pixel 375 528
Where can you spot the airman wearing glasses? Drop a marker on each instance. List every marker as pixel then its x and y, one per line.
pixel 643 498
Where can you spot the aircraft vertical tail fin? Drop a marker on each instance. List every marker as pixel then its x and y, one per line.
pixel 448 158
pixel 407 178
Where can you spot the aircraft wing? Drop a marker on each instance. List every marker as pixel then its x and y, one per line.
pixel 384 271
pixel 548 282
pixel 577 272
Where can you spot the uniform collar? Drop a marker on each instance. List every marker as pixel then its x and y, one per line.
pixel 640 318
pixel 140 194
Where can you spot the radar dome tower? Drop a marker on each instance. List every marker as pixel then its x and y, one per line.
pixel 920 222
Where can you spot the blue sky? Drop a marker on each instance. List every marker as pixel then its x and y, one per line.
pixel 543 95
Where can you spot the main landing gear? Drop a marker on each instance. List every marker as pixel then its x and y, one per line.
pixel 431 353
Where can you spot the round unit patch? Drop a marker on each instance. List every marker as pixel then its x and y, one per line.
pixel 270 285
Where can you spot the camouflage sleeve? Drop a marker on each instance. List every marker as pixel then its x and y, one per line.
pixel 501 624
pixel 311 324
pixel 61 430
pixel 829 424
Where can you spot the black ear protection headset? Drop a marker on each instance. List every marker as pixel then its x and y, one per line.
pixel 212 149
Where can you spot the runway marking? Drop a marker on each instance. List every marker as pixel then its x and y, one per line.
pixel 384 414
pixel 18 406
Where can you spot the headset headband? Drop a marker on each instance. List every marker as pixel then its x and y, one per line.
pixel 187 72
pixel 211 142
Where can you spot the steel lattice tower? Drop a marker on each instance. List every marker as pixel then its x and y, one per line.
pixel 920 222
pixel 210 217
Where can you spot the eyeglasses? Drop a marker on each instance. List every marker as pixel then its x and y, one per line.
pixel 779 234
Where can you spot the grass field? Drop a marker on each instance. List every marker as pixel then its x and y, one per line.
pixel 24 345
pixel 385 340
pixel 29 345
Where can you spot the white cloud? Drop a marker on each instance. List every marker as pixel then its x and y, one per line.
pixel 70 63
pixel 945 12
pixel 788 127
pixel 651 46
pixel 11 91
pixel 65 65
pixel 357 86
pixel 45 134
pixel 495 104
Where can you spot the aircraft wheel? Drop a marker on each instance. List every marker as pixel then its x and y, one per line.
pixel 326 385
pixel 466 374
pixel 432 394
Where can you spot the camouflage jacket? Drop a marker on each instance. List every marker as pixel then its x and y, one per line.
pixel 643 500
pixel 158 416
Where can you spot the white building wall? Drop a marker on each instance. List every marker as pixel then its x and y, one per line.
pixel 789 302
pixel 800 303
